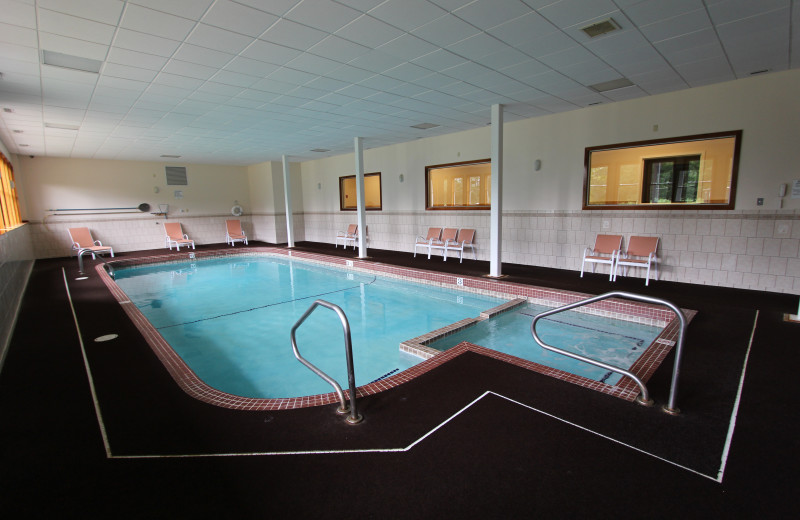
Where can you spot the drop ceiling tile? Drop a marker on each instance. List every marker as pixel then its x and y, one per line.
pixel 186 69
pixel 407 14
pixel 311 63
pixel 18 35
pixel 652 11
pixel 505 58
pixel 680 25
pixel 218 39
pixel 376 62
pixel 150 21
pixel 73 27
pixel 339 49
pixel 291 76
pixel 322 14
pixel 239 18
pixel 547 44
pixel 13 52
pixel 368 31
pixel 127 72
pixel 292 34
pixel 202 56
pixel 147 43
pixel 136 59
pixel 185 83
pixel 270 52
pixel 446 30
pixel 407 72
pixel 105 11
pixel 439 60
pixel 523 29
pixel 485 14
pixel 477 46
pixel 227 77
pixel 17 13
pixel 727 11
pixel 192 9
pixel 251 67
pixel 407 47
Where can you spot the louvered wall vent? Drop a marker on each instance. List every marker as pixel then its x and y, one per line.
pixel 600 28
pixel 176 175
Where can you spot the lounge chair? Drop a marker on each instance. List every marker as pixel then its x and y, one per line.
pixel 606 250
pixel 234 232
pixel 641 252
pixel 347 236
pixel 82 240
pixel 434 233
pixel 448 235
pixel 174 235
pixel 463 241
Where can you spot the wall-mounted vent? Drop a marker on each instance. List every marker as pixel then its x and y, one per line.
pixel 600 28
pixel 176 175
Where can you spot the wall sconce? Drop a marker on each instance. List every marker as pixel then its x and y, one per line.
pixel 401 177
pixel 319 185
pixel 537 165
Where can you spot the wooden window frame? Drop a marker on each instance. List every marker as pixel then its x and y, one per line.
pixel 461 207
pixel 343 179
pixel 730 204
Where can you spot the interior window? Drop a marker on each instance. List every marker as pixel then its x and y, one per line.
pixel 464 185
pixel 372 192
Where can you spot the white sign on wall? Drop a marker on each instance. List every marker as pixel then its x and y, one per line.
pixel 796 189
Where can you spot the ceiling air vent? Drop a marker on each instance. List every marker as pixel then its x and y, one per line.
pixel 424 126
pixel 176 175
pixel 600 28
pixel 69 61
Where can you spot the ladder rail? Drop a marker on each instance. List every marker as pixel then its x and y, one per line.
pixel 354 417
pixel 644 397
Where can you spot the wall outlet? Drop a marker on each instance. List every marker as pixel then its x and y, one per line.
pixel 606 224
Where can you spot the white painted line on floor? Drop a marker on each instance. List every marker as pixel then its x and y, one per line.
pixel 88 370
pixel 735 411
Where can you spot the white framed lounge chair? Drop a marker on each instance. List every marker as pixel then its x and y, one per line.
pixel 82 240
pixel 448 235
pixel 641 252
pixel 434 234
pixel 346 237
pixel 464 240
pixel 174 235
pixel 605 251
pixel 234 232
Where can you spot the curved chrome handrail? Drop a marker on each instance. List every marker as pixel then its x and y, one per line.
pixel 354 417
pixel 644 397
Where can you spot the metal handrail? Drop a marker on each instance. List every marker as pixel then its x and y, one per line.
pixel 644 397
pixel 354 417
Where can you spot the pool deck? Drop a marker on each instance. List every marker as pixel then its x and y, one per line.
pixel 102 428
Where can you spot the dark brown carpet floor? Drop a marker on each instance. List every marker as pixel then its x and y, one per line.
pixel 474 438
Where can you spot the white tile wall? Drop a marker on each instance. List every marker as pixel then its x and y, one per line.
pixel 742 249
pixel 16 261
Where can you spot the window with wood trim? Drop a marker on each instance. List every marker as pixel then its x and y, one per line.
pixel 463 185
pixel 348 200
pixel 9 204
pixel 697 172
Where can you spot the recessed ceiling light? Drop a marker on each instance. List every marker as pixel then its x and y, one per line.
pixel 69 61
pixel 600 28
pixel 60 126
pixel 166 156
pixel 24 145
pixel 762 71
pixel 424 126
pixel 320 150
pixel 8 110
pixel 614 84
pixel 17 131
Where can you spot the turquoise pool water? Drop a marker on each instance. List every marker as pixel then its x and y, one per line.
pixel 230 320
pixel 616 342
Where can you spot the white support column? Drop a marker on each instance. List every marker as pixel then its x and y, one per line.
pixel 358 144
pixel 496 218
pixel 287 195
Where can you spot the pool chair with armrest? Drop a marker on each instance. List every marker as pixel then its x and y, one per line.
pixel 174 235
pixel 434 233
pixel 605 251
pixel 463 241
pixel 234 232
pixel 641 252
pixel 82 240
pixel 448 235
pixel 347 236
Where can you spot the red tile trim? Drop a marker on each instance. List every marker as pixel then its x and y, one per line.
pixel 194 386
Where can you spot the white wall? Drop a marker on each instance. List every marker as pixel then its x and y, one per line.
pixel 750 247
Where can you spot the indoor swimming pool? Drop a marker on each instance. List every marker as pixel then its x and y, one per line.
pixel 229 320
